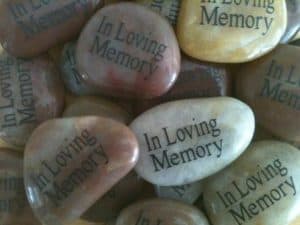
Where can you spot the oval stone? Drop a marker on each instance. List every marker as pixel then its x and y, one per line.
pixel 178 138
pixel 209 30
pixel 14 207
pixel 127 50
pixel 30 92
pixel 271 86
pixel 261 187
pixel 28 28
pixel 161 211
pixel 70 163
pixel 96 106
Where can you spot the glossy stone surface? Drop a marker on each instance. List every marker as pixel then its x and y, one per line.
pixel 70 74
pixel 126 54
pixel 261 187
pixel 96 106
pixel 196 79
pixel 27 28
pixel 14 207
pixel 70 163
pixel 30 92
pixel 167 8
pixel 230 31
pixel 271 86
pixel 293 25
pixel 178 138
pixel 161 211
pixel 121 195
pixel 187 193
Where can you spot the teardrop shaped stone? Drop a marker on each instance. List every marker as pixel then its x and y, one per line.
pixel 230 31
pixel 29 28
pixel 161 212
pixel 14 207
pixel 178 138
pixel 31 92
pixel 271 86
pixel 261 187
pixel 70 163
pixel 127 50
pixel 96 106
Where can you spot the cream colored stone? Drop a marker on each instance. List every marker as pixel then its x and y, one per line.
pixel 230 31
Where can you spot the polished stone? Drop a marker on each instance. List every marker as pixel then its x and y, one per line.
pixel 161 211
pixel 271 86
pixel 28 28
pixel 261 187
pixel 14 207
pixel 96 106
pixel 70 163
pixel 230 31
pixel 31 92
pixel 178 138
pixel 127 50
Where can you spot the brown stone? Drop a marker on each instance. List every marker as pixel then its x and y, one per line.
pixel 28 28
pixel 127 50
pixel 70 163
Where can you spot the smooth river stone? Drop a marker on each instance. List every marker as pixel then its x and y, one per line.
pixel 161 211
pixel 230 31
pixel 96 106
pixel 271 86
pixel 178 138
pixel 187 193
pixel 293 25
pixel 167 8
pixel 28 28
pixel 196 79
pixel 127 50
pixel 70 163
pixel 261 187
pixel 107 209
pixel 70 74
pixel 30 92
pixel 14 207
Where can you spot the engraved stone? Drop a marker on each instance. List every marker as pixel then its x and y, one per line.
pixel 126 54
pixel 31 92
pixel 28 28
pixel 293 25
pixel 230 31
pixel 271 86
pixel 188 193
pixel 70 163
pixel 261 187
pixel 96 106
pixel 178 138
pixel 14 207
pixel 161 212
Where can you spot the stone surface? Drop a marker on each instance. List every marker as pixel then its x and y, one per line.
pixel 126 50
pixel 70 163
pixel 27 28
pixel 161 211
pixel 167 8
pixel 178 138
pixel 14 207
pixel 271 86
pixel 70 74
pixel 96 106
pixel 230 31
pixel 107 209
pixel 261 187
pixel 188 193
pixel 293 25
pixel 196 79
pixel 30 92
